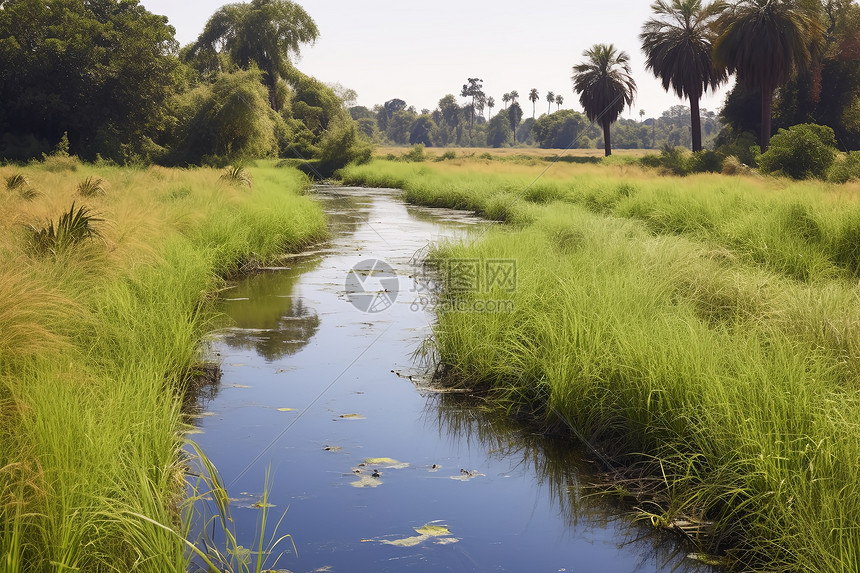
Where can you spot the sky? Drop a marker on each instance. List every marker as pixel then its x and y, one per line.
pixel 418 52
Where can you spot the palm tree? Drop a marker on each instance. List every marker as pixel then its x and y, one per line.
pixel 491 103
pixel 604 85
pixel 533 97
pixel 514 96
pixel 677 46
pixel 506 98
pixel 765 42
pixel 559 99
pixel 550 97
pixel 263 32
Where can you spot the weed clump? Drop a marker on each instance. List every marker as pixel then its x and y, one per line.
pixel 237 175
pixel 72 228
pixel 91 187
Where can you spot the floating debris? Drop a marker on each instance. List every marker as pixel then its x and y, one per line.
pixel 386 463
pixel 466 475
pixel 286 409
pixel 352 417
pixel 332 448
pixel 440 534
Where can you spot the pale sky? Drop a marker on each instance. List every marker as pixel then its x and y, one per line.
pixel 419 52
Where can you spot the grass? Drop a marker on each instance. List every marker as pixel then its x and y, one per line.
pixel 701 333
pixel 96 345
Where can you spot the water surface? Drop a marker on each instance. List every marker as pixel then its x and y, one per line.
pixel 312 388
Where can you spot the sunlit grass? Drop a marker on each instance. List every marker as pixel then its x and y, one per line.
pixel 705 328
pixel 96 343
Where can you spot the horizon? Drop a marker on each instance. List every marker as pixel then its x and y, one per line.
pixel 455 49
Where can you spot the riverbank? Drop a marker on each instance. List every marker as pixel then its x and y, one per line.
pixel 100 323
pixel 701 331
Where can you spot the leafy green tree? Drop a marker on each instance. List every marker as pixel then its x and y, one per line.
pixel 499 132
pixel 605 86
pixel 102 71
pixel 765 42
pixel 560 130
pixel 225 121
pixel 263 33
pixel 533 97
pixel 420 130
pixel 550 98
pixel 398 126
pixel 515 116
pixel 677 46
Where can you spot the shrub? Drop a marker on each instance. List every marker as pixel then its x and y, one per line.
pixel 705 161
pixel 447 156
pixel 800 152
pixel 16 182
pixel 72 228
pixel 415 154
pixel 733 166
pixel 91 186
pixel 845 169
pixel 236 175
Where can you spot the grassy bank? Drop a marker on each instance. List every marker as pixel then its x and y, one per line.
pixel 97 340
pixel 701 333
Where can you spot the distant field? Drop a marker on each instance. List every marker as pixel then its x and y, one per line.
pixel 511 151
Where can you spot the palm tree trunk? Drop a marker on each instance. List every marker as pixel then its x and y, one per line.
pixel 766 106
pixel 607 145
pixel 696 123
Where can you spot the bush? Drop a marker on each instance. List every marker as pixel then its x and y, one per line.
pixel 705 161
pixel 415 154
pixel 845 169
pixel 734 166
pixel 800 152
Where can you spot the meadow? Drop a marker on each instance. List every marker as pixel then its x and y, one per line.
pixel 101 318
pixel 700 334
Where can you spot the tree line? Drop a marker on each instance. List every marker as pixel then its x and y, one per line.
pixel 796 61
pixel 111 76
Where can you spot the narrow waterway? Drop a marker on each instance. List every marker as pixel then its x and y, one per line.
pixel 377 471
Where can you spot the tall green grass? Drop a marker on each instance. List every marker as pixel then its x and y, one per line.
pixel 700 332
pixel 96 344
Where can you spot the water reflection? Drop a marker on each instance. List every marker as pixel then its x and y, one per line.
pixel 268 317
pixel 560 466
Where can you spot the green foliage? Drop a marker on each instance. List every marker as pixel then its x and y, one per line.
pixel 86 68
pixel 343 143
pixel 228 119
pixel 237 175
pixel 72 228
pixel 560 130
pixel 499 133
pixel 447 155
pixel 845 168
pixel 91 186
pixel 420 130
pixel 800 152
pixel 743 147
pixel 415 155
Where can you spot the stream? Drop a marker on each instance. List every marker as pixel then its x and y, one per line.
pixel 373 469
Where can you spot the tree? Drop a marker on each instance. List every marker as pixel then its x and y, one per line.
pixel 499 132
pixel 515 116
pixel 765 42
pixel 550 98
pixel 506 98
pixel 514 96
pixel 560 130
pixel 559 99
pixel 605 86
pixel 102 71
pixel 677 46
pixel 491 103
pixel 263 33
pixel 533 97
pixel 472 89
pixel 419 131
